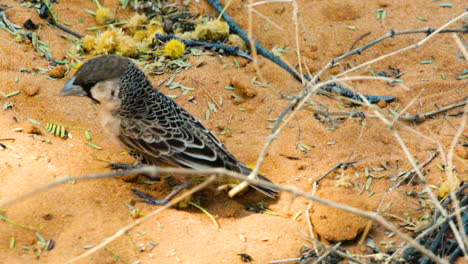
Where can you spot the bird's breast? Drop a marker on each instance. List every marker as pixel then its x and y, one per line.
pixel 109 121
pixel 107 93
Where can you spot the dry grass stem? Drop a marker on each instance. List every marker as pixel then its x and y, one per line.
pixel 267 19
pixel 141 220
pixel 460 45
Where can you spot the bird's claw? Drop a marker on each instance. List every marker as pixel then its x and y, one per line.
pixel 149 199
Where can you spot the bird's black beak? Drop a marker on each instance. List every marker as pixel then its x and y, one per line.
pixel 72 89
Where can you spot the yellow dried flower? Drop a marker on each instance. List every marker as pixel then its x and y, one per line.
pixel 153 29
pixel 237 41
pixel 19 38
pixel 449 186
pixel 75 50
pixel 126 46
pixel 140 35
pixel 187 35
pixel 212 30
pixel 89 42
pixel 136 22
pixel 174 48
pixel 104 16
pixel 106 42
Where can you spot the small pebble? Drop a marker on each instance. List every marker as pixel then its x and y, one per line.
pixel 31 90
pixel 31 129
pixel 244 89
pixel 382 104
pixel 238 100
pixel 47 217
pixel 58 72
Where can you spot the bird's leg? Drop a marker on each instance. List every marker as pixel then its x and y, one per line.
pixel 123 166
pixel 147 198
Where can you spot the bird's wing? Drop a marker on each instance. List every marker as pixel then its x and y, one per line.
pixel 169 133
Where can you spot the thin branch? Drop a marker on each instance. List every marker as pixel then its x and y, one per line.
pixel 208 94
pixel 280 123
pixel 141 220
pixel 341 254
pixel 392 34
pixel 460 236
pixel 414 46
pixel 423 116
pixel 427 231
pixel 268 2
pixel 413 171
pixel 153 171
pixel 414 165
pixel 460 45
pixel 329 251
pixel 295 19
pixel 408 117
pixel 267 19
pixel 337 166
pixel 257 47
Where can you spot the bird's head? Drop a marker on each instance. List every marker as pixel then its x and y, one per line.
pixel 96 77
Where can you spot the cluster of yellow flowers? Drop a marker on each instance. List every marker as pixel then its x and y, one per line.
pixel 139 32
pixel 125 41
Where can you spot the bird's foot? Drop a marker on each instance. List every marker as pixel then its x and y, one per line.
pixel 149 199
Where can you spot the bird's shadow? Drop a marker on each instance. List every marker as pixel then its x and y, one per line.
pixel 216 201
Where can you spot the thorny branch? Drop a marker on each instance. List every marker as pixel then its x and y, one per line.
pixel 293 107
pixel 299 101
pixel 407 174
pixel 408 117
pixel 421 177
pixel 392 34
pixel 436 223
pixel 414 46
pixel 269 55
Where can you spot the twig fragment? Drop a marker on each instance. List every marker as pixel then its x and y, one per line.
pixel 337 166
pixel 413 171
pixel 256 46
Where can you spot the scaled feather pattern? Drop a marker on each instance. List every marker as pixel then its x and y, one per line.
pixel 153 126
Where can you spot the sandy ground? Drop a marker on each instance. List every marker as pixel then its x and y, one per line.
pixel 82 214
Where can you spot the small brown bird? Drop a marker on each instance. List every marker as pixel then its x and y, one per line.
pixel 153 127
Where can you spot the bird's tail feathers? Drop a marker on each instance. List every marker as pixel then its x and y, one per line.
pixel 268 191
